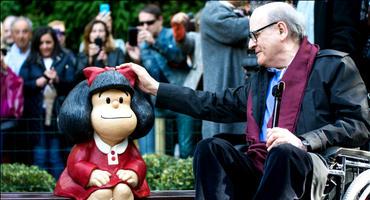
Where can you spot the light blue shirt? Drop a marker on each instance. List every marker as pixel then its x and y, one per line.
pixel 270 100
pixel 15 58
pixel 307 8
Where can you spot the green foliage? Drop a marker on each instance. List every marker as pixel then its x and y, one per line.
pixel 163 173
pixel 169 173
pixel 77 14
pixel 21 178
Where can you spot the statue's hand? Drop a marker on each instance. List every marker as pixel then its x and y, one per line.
pixel 99 178
pixel 129 176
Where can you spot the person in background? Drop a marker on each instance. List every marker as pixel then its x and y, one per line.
pixel 107 18
pixel 158 52
pixel 189 42
pixel 7 39
pixel 3 65
pixel 48 75
pixel 11 92
pixel 21 29
pixel 224 37
pixel 11 107
pixel 60 29
pixel 99 48
pixel 339 25
pixel 323 104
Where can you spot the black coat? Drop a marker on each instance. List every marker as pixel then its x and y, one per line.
pixel 64 64
pixel 334 110
pixel 339 25
pixel 115 58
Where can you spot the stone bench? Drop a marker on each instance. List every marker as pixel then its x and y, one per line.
pixel 155 195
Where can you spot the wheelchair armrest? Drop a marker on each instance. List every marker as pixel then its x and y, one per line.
pixel 332 152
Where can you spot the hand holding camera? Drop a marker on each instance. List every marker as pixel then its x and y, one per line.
pixel 93 50
pixel 96 51
pixel 96 47
pixel 145 36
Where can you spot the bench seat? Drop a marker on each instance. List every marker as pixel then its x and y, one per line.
pixel 155 195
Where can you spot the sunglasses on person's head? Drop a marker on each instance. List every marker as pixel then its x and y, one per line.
pixel 4 51
pixel 151 22
pixel 59 32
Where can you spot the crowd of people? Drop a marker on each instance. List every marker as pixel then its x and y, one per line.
pixel 198 72
pixel 37 61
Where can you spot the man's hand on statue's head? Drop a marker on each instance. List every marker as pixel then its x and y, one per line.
pixel 145 82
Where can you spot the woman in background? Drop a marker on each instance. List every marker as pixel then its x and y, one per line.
pixel 48 75
pixel 99 48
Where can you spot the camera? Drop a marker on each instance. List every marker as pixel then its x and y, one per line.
pixel 132 36
pixel 99 42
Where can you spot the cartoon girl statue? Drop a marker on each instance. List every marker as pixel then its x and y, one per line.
pixel 102 115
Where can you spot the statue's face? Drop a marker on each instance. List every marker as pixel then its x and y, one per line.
pixel 112 117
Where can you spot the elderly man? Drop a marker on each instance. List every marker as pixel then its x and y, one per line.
pixel 324 104
pixel 21 30
pixel 7 37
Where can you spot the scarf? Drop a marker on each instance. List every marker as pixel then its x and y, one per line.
pixel 295 78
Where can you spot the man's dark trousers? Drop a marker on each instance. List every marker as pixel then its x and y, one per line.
pixel 223 172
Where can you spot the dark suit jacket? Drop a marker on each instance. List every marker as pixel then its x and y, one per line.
pixel 334 111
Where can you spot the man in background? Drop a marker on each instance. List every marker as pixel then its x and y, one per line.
pixel 7 40
pixel 21 30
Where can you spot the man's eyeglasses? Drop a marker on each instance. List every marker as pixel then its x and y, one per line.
pixel 253 35
pixel 151 22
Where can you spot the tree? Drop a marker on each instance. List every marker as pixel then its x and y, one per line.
pixel 77 14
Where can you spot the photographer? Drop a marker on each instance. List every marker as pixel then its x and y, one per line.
pixel 99 49
pixel 156 49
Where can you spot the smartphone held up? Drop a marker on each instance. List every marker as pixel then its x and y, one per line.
pixel 132 36
pixel 104 8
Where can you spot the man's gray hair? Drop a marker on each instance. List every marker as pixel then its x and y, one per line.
pixel 22 18
pixel 294 20
pixel 9 19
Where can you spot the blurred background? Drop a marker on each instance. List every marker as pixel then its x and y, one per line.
pixel 76 14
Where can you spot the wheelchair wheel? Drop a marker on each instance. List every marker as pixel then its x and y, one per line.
pixel 359 189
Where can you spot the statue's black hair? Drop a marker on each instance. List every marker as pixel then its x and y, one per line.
pixel 74 117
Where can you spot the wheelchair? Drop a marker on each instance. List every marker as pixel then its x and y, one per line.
pixel 349 174
pixel 349 170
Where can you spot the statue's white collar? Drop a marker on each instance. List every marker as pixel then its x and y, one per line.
pixel 106 148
